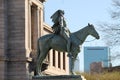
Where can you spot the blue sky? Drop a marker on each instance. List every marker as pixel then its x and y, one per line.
pixel 79 13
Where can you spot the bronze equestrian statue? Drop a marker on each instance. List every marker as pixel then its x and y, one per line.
pixel 71 42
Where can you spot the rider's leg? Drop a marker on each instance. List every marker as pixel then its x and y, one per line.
pixel 66 36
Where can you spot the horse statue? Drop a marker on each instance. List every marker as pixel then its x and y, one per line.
pixel 51 41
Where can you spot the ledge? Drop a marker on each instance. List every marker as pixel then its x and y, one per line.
pixel 60 77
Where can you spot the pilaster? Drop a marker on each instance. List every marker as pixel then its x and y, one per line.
pixel 38 15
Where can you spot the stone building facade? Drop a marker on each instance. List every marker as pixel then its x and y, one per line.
pixel 21 24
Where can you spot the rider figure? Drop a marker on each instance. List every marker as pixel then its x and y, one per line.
pixel 60 27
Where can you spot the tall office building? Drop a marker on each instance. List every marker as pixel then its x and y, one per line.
pixel 95 54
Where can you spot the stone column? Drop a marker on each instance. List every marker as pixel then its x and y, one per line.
pixel 56 59
pixel 61 62
pixel 27 27
pixel 51 58
pixel 41 22
pixel 66 63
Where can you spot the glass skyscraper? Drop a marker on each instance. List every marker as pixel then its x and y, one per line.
pixel 95 54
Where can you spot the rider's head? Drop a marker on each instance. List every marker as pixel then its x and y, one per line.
pixel 57 14
pixel 61 12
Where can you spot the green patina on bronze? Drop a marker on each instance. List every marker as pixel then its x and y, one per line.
pixel 62 40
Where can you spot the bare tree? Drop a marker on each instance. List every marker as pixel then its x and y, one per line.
pixel 112 30
pixel 116 12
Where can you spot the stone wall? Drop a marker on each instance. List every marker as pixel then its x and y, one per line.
pixel 12 40
pixel 3 38
pixel 16 67
pixel 18 33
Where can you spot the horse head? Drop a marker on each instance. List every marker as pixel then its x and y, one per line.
pixel 92 31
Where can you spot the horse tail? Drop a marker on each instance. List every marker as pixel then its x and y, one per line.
pixel 38 49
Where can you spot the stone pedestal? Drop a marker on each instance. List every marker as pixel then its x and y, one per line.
pixel 60 77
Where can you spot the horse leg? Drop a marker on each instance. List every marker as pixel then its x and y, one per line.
pixel 71 65
pixel 72 60
pixel 40 60
pixel 39 65
pixel 37 70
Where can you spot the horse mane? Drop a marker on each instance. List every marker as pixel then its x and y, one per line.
pixel 79 31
